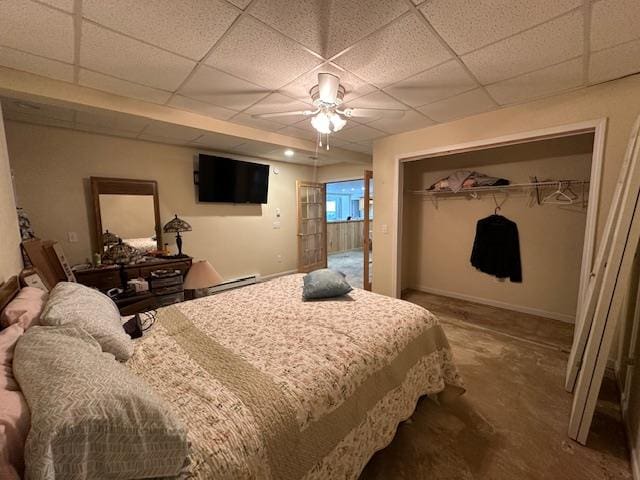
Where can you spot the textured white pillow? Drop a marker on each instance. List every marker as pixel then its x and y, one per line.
pixel 91 416
pixel 94 312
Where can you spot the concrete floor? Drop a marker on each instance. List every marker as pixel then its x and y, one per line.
pixel 512 422
pixel 351 263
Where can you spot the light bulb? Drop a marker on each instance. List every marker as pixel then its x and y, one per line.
pixel 321 123
pixel 337 121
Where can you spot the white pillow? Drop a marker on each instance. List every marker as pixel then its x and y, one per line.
pixel 94 312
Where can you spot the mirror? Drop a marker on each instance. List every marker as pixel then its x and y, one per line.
pixel 129 210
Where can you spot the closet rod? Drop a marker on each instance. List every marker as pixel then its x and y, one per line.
pixel 498 188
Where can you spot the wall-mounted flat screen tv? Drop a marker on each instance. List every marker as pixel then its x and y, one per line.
pixel 225 180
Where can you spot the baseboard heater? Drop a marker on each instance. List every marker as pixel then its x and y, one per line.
pixel 231 284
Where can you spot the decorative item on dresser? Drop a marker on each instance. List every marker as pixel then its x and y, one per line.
pixel 177 225
pixel 200 278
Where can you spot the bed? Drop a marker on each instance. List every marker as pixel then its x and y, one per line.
pixel 271 386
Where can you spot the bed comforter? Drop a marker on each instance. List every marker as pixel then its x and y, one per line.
pixel 273 387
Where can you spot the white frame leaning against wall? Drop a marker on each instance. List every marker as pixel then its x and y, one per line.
pixel 598 127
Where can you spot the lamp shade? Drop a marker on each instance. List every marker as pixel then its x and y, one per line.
pixel 109 238
pixel 122 253
pixel 176 225
pixel 201 275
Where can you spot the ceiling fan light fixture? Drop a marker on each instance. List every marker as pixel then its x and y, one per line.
pixel 337 122
pixel 321 123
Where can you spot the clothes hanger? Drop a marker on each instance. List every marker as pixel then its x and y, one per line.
pixel 498 205
pixel 558 197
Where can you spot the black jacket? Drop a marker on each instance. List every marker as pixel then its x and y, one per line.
pixel 496 248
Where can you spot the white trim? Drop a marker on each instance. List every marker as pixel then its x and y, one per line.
pixel 271 276
pixel 597 126
pixel 563 317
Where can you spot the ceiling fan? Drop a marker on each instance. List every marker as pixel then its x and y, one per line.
pixel 328 117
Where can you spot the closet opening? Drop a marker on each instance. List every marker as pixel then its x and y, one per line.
pixel 541 188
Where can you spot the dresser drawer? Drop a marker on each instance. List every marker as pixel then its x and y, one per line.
pixel 100 279
pixel 168 289
pixel 170 299
pixel 155 283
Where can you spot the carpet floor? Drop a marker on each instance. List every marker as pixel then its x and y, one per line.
pixel 512 421
pixel 351 264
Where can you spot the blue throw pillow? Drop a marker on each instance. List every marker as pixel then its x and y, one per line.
pixel 325 283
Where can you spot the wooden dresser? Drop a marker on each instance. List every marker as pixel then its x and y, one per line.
pixel 108 276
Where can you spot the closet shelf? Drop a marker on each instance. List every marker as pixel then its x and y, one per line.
pixel 499 188
pixel 533 187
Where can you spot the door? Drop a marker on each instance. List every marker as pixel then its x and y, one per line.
pixel 366 234
pixel 312 226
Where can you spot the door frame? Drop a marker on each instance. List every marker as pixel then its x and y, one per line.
pixel 597 126
pixel 366 227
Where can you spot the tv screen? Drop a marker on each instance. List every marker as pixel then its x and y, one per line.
pixel 231 181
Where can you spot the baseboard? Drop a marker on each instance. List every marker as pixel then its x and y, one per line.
pixel 264 278
pixel 563 317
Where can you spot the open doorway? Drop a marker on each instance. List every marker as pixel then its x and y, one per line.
pixel 348 230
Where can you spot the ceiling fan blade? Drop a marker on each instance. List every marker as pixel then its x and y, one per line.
pixel 374 112
pixel 328 87
pixel 283 114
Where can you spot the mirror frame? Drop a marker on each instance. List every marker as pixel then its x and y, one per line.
pixel 123 186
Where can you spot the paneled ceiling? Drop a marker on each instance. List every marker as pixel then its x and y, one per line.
pixel 141 128
pixel 438 60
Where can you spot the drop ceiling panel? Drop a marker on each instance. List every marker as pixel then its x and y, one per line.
pixel 354 86
pixel 218 142
pixel 219 88
pixel 467 26
pixel 189 28
pixel 547 44
pixel 259 123
pixel 38 120
pixel 466 104
pixel 614 22
pixel 123 57
pixel 538 84
pixel 399 50
pixel 66 5
pixel 359 147
pixel 254 148
pixel 276 103
pixel 112 121
pixel 437 83
pixel 37 29
pixel 410 121
pixel 185 103
pixel 293 131
pixel 122 87
pixel 359 133
pixel 171 132
pixel 255 52
pixel 615 62
pixel 327 27
pixel 240 3
pixel 24 110
pixel 33 64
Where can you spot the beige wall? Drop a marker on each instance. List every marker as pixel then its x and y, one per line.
pixel 437 241
pixel 10 258
pixel 342 171
pixel 52 167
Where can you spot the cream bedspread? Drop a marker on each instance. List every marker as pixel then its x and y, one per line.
pixel 275 387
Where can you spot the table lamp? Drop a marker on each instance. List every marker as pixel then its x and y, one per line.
pixel 108 239
pixel 122 254
pixel 200 277
pixel 177 225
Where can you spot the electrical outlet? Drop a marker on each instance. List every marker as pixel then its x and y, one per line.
pixel 276 225
pixel 279 258
pixel 72 237
pixel 384 228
